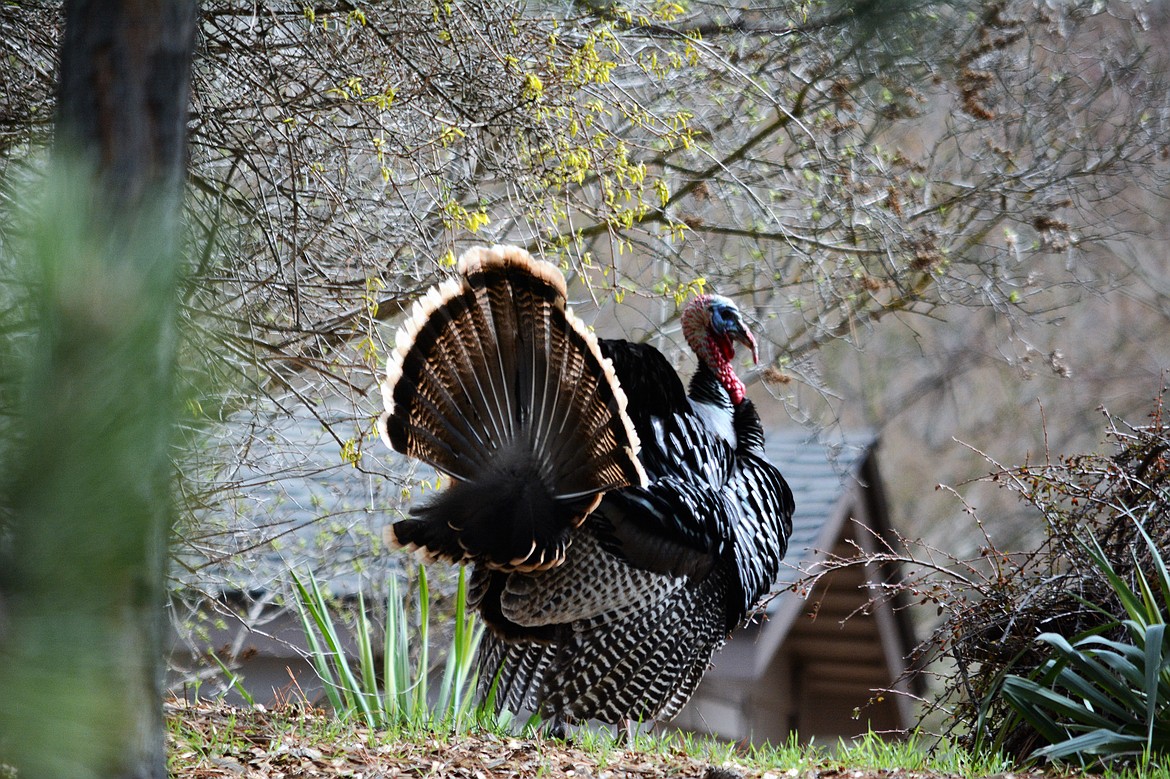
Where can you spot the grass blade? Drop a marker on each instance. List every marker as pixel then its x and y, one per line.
pixel 369 679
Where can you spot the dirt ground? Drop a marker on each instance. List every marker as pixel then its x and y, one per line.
pixel 209 741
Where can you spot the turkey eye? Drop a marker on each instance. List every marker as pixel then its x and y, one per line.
pixel 722 319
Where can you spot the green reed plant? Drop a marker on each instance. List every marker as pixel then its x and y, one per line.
pixel 400 696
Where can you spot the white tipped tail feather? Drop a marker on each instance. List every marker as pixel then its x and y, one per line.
pixel 496 383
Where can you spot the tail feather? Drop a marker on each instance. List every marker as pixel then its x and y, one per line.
pixel 436 408
pixel 495 382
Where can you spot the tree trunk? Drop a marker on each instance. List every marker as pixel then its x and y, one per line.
pixel 81 656
pixel 122 98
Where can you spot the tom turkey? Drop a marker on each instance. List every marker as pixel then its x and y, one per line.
pixel 619 527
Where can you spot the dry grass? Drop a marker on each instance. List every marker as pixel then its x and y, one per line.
pixel 215 740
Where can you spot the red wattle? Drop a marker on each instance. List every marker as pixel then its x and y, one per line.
pixel 731 382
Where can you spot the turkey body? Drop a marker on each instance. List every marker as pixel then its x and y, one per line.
pixel 614 546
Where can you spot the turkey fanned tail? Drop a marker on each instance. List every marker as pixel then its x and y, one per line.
pixel 497 384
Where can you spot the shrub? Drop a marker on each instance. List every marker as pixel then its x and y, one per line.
pixel 1097 698
pixel 1071 637
pixel 1059 652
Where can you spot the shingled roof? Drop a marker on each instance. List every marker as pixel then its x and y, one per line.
pixel 818 473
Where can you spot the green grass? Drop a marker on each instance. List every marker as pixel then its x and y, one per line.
pixel 205 735
pixel 919 754
pixel 916 753
pixel 871 751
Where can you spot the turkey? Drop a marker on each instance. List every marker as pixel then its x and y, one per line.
pixel 618 526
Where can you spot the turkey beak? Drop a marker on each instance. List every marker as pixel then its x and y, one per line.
pixel 740 333
pixel 748 340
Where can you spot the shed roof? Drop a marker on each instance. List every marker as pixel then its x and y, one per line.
pixel 832 484
pixel 819 474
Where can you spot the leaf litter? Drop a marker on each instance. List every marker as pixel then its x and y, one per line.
pixel 213 740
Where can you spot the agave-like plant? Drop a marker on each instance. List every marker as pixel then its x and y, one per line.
pixel 400 696
pixel 1099 699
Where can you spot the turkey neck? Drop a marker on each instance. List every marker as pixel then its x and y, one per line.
pixel 712 403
